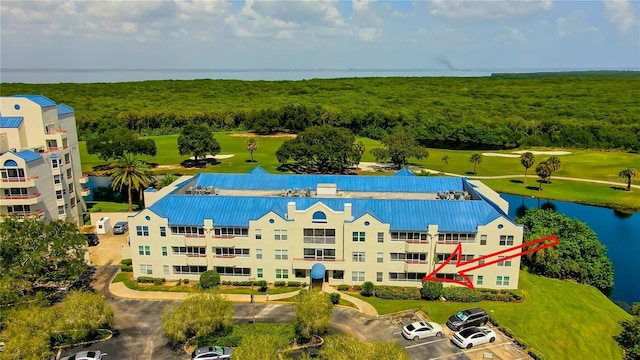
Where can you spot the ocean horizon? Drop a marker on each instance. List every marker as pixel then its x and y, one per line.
pixel 88 75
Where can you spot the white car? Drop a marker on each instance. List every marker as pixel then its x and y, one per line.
pixel 421 330
pixel 473 336
pixel 86 355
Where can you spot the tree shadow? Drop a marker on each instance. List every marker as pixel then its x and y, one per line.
pixel 152 165
pixel 287 168
pixel 251 161
pixel 548 206
pixel 102 167
pixel 622 214
pixel 516 181
pixel 529 187
pixel 469 173
pixel 618 188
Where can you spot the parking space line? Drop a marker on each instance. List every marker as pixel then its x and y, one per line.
pixel 426 343
pixel 468 351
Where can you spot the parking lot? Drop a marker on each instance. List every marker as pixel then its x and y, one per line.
pixel 437 348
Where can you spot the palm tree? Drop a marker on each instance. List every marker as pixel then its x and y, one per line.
pixel 251 145
pixel 629 173
pixel 554 164
pixel 131 172
pixel 445 160
pixel 527 160
pixel 475 159
pixel 360 148
pixel 166 180
pixel 544 172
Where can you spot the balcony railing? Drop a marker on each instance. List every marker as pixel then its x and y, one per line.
pixel 69 176
pixel 195 255
pixel 56 131
pixel 319 239
pixel 84 179
pixel 194 235
pixel 19 179
pixel 30 213
pixel 20 197
pixel 416 241
pixel 71 191
pixel 319 259
pixel 224 256
pixel 415 261
pixel 85 192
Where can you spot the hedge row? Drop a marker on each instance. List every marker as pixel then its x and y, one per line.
pixel 397 293
pixel 150 280
pixel 261 282
pixel 463 294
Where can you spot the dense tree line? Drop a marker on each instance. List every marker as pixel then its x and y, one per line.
pixel 584 110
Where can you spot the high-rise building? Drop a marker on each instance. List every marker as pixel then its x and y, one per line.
pixel 40 169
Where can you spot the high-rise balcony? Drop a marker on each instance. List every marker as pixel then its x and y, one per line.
pixel 24 213
pixel 84 179
pixel 28 199
pixel 85 192
pixel 12 182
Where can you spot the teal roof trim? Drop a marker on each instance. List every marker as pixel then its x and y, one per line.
pixel 11 121
pixel 39 99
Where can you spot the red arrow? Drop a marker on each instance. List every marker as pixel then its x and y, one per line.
pixel 464 267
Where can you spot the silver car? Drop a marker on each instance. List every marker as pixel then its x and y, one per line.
pixel 211 353
pixel 86 355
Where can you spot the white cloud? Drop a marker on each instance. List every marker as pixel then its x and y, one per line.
pixel 622 13
pixel 488 10
pixel 574 23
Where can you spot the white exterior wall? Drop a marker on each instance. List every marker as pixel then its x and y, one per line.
pixel 32 134
pixel 294 224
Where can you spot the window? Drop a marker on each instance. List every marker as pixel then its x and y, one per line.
pixel 453 276
pixel 504 263
pixel 59 194
pixel 230 252
pixel 483 239
pixel 319 254
pixel 357 276
pixel 55 162
pixel 409 236
pixel 502 281
pixel 416 258
pixel 19 209
pixel 260 273
pixel 142 230
pixel 144 250
pixel 146 269
pixel 398 256
pixel 198 251
pixel 480 262
pixel 57 179
pixel 406 276
pixel 319 217
pixel 165 269
pixel 319 236
pixel 258 234
pixel 163 231
pixel 357 256
pixel 480 280
pixel 338 274
pixel 506 240
pixel 358 236
pixel 380 237
pixel 454 238
pixel 282 274
pixel 282 254
pixel 259 254
pixel 164 251
pixel 280 234
pixel 192 231
pixel 61 210
pixel 231 232
pixel 233 271
pixel 379 276
pixel 443 257
pixel 380 257
pixel 189 269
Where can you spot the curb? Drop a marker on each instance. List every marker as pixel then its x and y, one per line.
pixel 86 342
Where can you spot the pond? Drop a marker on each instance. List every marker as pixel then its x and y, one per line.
pixel 619 232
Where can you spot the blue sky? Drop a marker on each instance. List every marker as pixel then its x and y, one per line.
pixel 523 34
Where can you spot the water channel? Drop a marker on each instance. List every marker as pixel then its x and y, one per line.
pixel 619 232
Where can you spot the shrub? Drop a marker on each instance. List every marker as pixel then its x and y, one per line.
pixel 150 280
pixel 179 282
pixel 343 287
pixel 158 281
pixel 431 290
pixel 126 268
pixel 368 288
pixel 262 285
pixel 463 294
pixel 209 279
pixel 357 287
pixel 335 298
pixel 279 283
pixel 294 284
pixel 126 262
pixel 186 281
pixel 397 293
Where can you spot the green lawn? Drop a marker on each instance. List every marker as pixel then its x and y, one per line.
pixel 558 319
pixel 109 206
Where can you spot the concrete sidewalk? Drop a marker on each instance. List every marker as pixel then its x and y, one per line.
pixel 119 289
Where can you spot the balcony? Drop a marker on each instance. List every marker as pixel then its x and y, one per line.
pixel 25 214
pixel 331 240
pixel 85 192
pixel 12 182
pixel 329 263
pixel 84 179
pixel 55 131
pixel 415 266
pixel 30 199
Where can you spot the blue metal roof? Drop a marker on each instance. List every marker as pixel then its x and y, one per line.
pixel 64 109
pixel 343 182
pixel 38 99
pixel 28 155
pixel 10 121
pixel 450 215
pixel 404 172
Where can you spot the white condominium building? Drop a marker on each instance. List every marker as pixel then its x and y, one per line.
pixel 350 229
pixel 40 170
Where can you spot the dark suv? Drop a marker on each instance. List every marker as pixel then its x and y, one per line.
pixel 92 239
pixel 467 318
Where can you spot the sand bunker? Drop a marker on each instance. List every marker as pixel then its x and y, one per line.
pixel 217 157
pixel 500 155
pixel 534 152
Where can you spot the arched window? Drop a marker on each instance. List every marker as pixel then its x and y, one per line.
pixel 319 217
pixel 10 163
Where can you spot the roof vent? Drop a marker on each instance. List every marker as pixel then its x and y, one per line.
pixel 327 189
